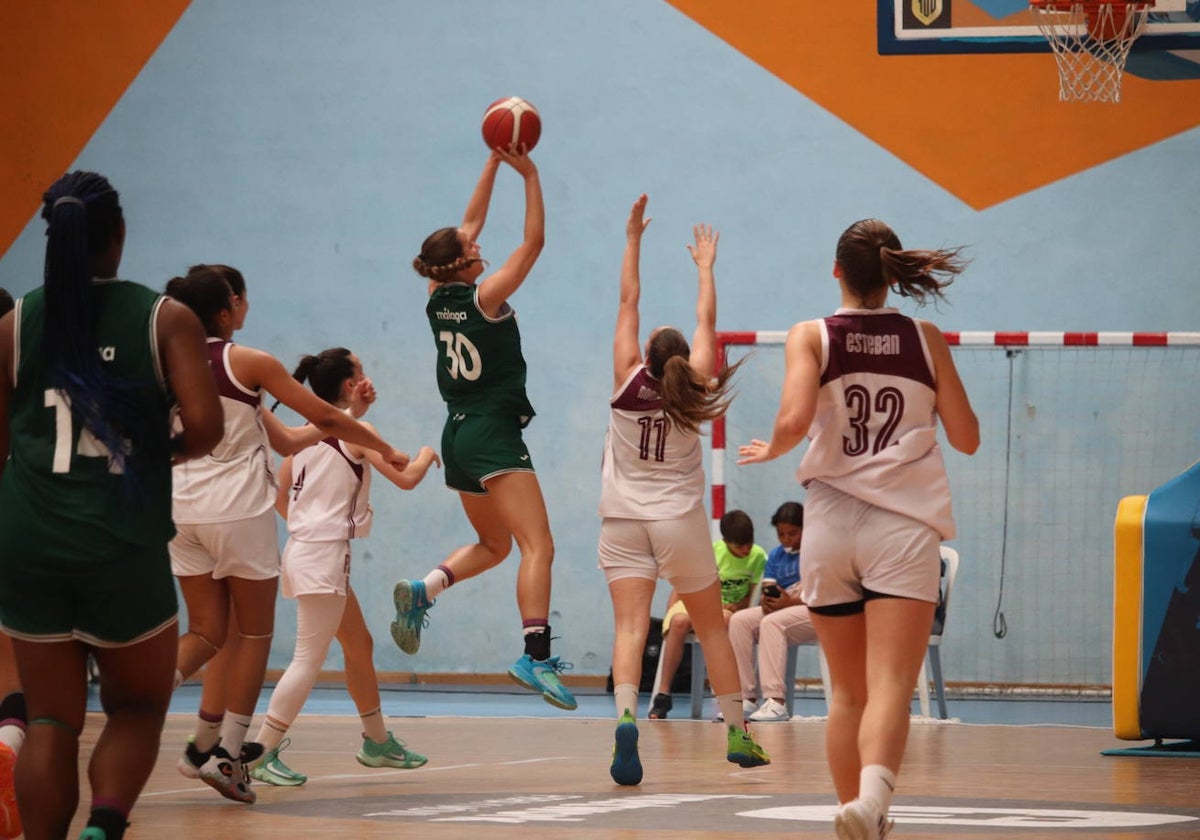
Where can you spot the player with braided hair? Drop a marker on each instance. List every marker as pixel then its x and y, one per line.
pixel 481 375
pixel 89 367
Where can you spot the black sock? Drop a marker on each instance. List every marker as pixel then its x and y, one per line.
pixel 12 707
pixel 537 645
pixel 111 820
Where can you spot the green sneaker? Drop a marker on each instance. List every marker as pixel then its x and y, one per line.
pixel 626 767
pixel 391 753
pixel 743 751
pixel 273 771
pixel 93 833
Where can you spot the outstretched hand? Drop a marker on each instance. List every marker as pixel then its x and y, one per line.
pixel 636 225
pixel 518 159
pixel 430 454
pixel 704 252
pixel 754 452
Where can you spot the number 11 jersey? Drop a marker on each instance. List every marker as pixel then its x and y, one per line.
pixel 651 469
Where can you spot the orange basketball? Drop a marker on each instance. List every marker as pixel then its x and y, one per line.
pixel 511 123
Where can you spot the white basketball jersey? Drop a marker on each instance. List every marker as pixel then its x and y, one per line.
pixel 651 469
pixel 235 480
pixel 874 435
pixel 330 496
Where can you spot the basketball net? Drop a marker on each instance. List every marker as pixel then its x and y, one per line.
pixel 1091 42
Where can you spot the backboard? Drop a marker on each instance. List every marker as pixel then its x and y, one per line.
pixel 1168 49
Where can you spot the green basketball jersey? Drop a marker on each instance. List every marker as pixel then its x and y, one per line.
pixel 59 495
pixel 480 367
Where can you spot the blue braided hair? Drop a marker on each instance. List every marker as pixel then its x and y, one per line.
pixel 83 215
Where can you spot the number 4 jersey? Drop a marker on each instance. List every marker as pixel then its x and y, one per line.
pixel 480 366
pixel 651 470
pixel 874 435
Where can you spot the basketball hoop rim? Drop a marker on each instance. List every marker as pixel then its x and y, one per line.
pixel 1088 5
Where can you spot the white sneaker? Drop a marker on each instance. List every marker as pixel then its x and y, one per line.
pixel 748 708
pixel 770 711
pixel 861 820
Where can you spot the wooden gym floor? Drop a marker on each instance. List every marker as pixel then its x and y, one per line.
pixel 548 777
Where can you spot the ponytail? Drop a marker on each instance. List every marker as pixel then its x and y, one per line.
pixel 326 372
pixel 442 256
pixel 689 397
pixel 871 258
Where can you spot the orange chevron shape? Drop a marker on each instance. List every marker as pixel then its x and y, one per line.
pixel 984 127
pixel 64 65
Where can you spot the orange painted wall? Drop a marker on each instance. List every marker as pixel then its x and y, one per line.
pixel 985 127
pixel 64 65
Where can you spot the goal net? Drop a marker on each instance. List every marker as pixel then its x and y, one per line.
pixel 1070 423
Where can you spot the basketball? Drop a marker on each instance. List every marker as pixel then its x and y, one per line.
pixel 510 123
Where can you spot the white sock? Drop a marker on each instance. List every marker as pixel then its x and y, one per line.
pixel 436 582
pixel 233 733
pixel 373 726
pixel 13 736
pixel 271 733
pixel 878 783
pixel 207 733
pixel 626 696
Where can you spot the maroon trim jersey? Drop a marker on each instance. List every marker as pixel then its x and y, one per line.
pixel 651 470
pixel 874 435
pixel 235 480
pixel 330 496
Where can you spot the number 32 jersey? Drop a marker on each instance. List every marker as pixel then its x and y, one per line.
pixel 874 435
pixel 480 366
pixel 651 470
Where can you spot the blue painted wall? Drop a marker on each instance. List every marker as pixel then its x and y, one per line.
pixel 315 148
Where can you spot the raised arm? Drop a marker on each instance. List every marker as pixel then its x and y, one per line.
pixel 477 207
pixel 953 406
pixel 497 288
pixel 704 340
pixel 798 402
pixel 627 353
pixel 267 372
pixel 181 346
pixel 288 440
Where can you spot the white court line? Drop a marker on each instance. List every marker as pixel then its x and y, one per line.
pixel 376 774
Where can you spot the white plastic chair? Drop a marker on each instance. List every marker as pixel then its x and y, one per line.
pixel 690 642
pixel 933 655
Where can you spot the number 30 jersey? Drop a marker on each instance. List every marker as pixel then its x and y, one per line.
pixel 651 470
pixel 874 435
pixel 480 368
